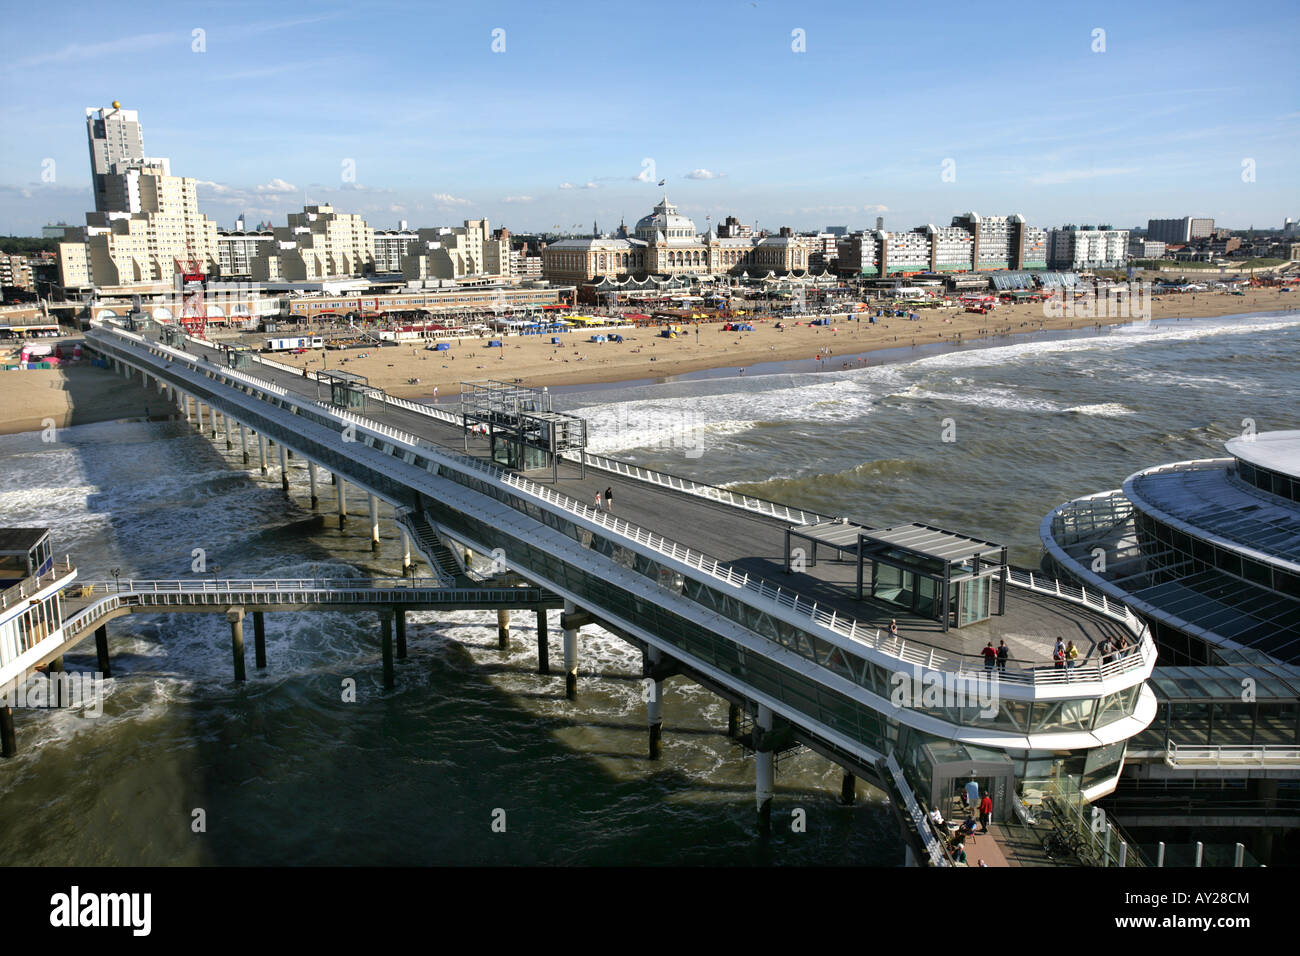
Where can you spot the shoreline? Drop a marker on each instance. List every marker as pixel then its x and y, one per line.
pixel 704 351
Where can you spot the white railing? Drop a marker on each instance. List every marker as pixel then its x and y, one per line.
pixel 1232 755
pixel 915 653
pixel 432 411
pixel 18 593
pixel 916 814
pixel 701 490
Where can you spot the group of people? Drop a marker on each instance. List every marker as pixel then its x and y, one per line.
pixel 972 803
pixel 1065 654
pixel 996 655
pixel 605 502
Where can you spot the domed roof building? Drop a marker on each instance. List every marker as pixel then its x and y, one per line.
pixel 665 225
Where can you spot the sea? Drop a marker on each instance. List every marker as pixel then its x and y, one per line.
pixel 474 758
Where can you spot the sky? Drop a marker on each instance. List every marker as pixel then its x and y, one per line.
pixel 554 115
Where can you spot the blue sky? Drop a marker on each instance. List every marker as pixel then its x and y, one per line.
pixel 557 129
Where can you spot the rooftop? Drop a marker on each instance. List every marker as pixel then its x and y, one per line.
pixel 1276 451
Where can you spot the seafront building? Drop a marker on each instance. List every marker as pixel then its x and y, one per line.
pixel 1208 553
pixel 1077 248
pixel 1179 231
pixel 318 243
pixel 971 243
pixel 666 243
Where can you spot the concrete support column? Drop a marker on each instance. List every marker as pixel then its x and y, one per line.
pixel 763 770
pixel 374 523
pixel 236 618
pixel 101 649
pixel 570 655
pixel 259 639
pixel 225 427
pixel 503 629
pixel 54 672
pixel 543 645
pixel 386 643
pixel 654 707
pixel 284 472
pixel 343 504
pixel 311 478
pixel 8 740
pixel 261 451
pixel 243 441
pixel 733 720
pixel 848 788
pixel 198 407
pixel 406 550
pixel 401 632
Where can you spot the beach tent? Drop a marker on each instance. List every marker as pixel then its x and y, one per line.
pixel 495 344
pixel 442 347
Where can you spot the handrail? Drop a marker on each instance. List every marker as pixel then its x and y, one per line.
pixel 1232 755
pixel 918 653
pixel 702 490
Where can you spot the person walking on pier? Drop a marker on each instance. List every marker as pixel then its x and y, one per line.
pixel 598 504
pixel 893 629
pixel 1058 654
pixel 609 499
pixel 1071 655
pixel 1004 652
pixel 986 812
pixel 990 656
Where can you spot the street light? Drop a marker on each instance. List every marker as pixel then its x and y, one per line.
pixel 117 583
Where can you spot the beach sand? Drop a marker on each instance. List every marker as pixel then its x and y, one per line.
pixel 76 394
pixel 644 355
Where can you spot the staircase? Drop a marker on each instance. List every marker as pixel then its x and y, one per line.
pixel 441 558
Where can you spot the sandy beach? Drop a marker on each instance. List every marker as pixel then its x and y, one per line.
pixel 644 354
pixel 76 394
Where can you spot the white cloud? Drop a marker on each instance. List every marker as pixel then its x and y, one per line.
pixel 276 185
pixel 703 174
pixel 396 207
pixel 81 52
pixel 447 199
pixel 514 199
pixel 876 208
pixel 591 185
pixel 566 185
pixel 1074 175
pixel 212 187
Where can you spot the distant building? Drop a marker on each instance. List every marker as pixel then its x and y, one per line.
pixel 457 252
pixel 317 244
pixel 1145 249
pixel 391 245
pixel 114 136
pixel 837 231
pixel 1174 231
pixel 972 243
pixel 237 250
pixel 1087 247
pixel 16 271
pixel 55 231
pixel 666 243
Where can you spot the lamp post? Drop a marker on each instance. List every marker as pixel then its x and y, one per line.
pixel 117 584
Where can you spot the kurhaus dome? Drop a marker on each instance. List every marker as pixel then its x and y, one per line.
pixel 665 219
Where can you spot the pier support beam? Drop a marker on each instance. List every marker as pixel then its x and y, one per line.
pixel 763 770
pixel 311 478
pixel 848 788
pixel 570 654
pixel 54 671
pixel 284 471
pixel 400 617
pixel 406 550
pixel 8 740
pixel 386 643
pixel 374 523
pixel 543 644
pixel 261 451
pixel 503 629
pixel 101 649
pixel 236 618
pixel 225 428
pixel 343 504
pixel 243 441
pixel 733 720
pixel 654 707
pixel 198 411
pixel 259 639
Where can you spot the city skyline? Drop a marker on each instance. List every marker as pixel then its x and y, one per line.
pixel 579 121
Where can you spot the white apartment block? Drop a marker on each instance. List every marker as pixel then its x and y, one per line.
pixel 391 245
pixel 237 250
pixel 456 252
pixel 1084 247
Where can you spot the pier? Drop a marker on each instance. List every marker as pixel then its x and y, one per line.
pixel 694 576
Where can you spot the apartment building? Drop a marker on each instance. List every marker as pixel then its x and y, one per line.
pixel 318 243
pixel 1179 231
pixel 1087 247
pixel 237 250
pixel 456 252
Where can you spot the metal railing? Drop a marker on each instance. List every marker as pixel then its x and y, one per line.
pixel 25 588
pixel 910 652
pixel 1232 755
pixel 712 492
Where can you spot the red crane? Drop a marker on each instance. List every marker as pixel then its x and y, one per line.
pixel 194 310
